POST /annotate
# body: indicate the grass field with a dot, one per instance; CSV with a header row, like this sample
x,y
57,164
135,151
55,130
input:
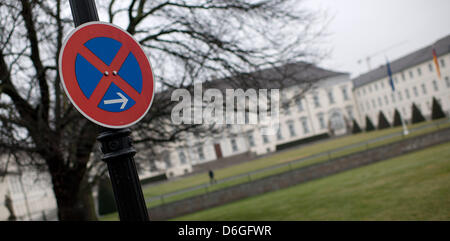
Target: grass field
x,y
275,159
415,186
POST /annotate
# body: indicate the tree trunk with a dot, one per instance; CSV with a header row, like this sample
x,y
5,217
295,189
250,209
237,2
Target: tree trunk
x,y
69,207
75,204
73,194
70,178
87,201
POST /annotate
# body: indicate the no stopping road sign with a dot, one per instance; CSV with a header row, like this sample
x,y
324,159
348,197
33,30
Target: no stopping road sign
x,y
106,75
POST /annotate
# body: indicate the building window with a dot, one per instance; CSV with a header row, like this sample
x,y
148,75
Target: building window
x,y
265,139
403,76
299,103
316,100
374,104
380,103
407,93
331,97
416,93
430,67
386,100
370,89
400,98
364,90
251,140
411,75
167,160
286,108
442,62
345,93
393,98
201,154
291,128
15,186
234,145
447,81
435,85
424,89
376,86
279,134
382,84
350,112
182,157
367,105
419,71
321,121
304,121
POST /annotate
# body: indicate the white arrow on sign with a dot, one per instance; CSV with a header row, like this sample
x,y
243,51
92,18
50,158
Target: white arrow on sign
x,y
123,100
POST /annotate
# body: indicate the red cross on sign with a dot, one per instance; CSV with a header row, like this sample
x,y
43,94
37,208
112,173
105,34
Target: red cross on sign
x,y
106,75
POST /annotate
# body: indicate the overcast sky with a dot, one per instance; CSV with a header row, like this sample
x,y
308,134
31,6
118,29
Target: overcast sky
x,y
361,28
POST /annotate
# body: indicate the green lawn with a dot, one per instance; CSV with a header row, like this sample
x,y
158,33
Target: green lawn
x,y
415,186
278,158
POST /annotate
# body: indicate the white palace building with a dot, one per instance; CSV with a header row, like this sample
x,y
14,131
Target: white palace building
x,y
415,79
327,108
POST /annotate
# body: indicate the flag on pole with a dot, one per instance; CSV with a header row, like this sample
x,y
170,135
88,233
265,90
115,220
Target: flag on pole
x,y
389,72
438,70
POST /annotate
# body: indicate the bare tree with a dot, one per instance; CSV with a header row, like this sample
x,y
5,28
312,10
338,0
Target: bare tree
x,y
187,41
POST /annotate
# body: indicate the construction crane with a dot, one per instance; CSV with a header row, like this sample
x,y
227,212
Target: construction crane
x,y
369,57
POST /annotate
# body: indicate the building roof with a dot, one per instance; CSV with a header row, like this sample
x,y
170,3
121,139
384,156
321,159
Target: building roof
x,y
270,78
276,77
442,47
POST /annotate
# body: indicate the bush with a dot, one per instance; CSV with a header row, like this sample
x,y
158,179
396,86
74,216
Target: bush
x,y
437,112
397,119
383,123
369,125
356,128
106,201
416,114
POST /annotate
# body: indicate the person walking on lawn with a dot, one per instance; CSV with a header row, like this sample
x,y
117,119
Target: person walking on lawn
x,y
211,177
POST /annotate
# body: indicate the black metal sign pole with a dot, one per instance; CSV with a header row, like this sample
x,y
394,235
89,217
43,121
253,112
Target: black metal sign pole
x,y
118,154
117,148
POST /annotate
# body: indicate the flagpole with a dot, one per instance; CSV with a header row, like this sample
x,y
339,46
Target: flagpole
x,y
391,81
405,129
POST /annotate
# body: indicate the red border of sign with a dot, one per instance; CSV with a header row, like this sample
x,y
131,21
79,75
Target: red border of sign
x,y
67,56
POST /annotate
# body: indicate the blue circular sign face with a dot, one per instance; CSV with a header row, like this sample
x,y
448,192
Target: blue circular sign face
x,y
106,75
88,76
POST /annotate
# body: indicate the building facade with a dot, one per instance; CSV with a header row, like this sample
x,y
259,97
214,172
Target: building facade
x,y
326,108
416,80
30,196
